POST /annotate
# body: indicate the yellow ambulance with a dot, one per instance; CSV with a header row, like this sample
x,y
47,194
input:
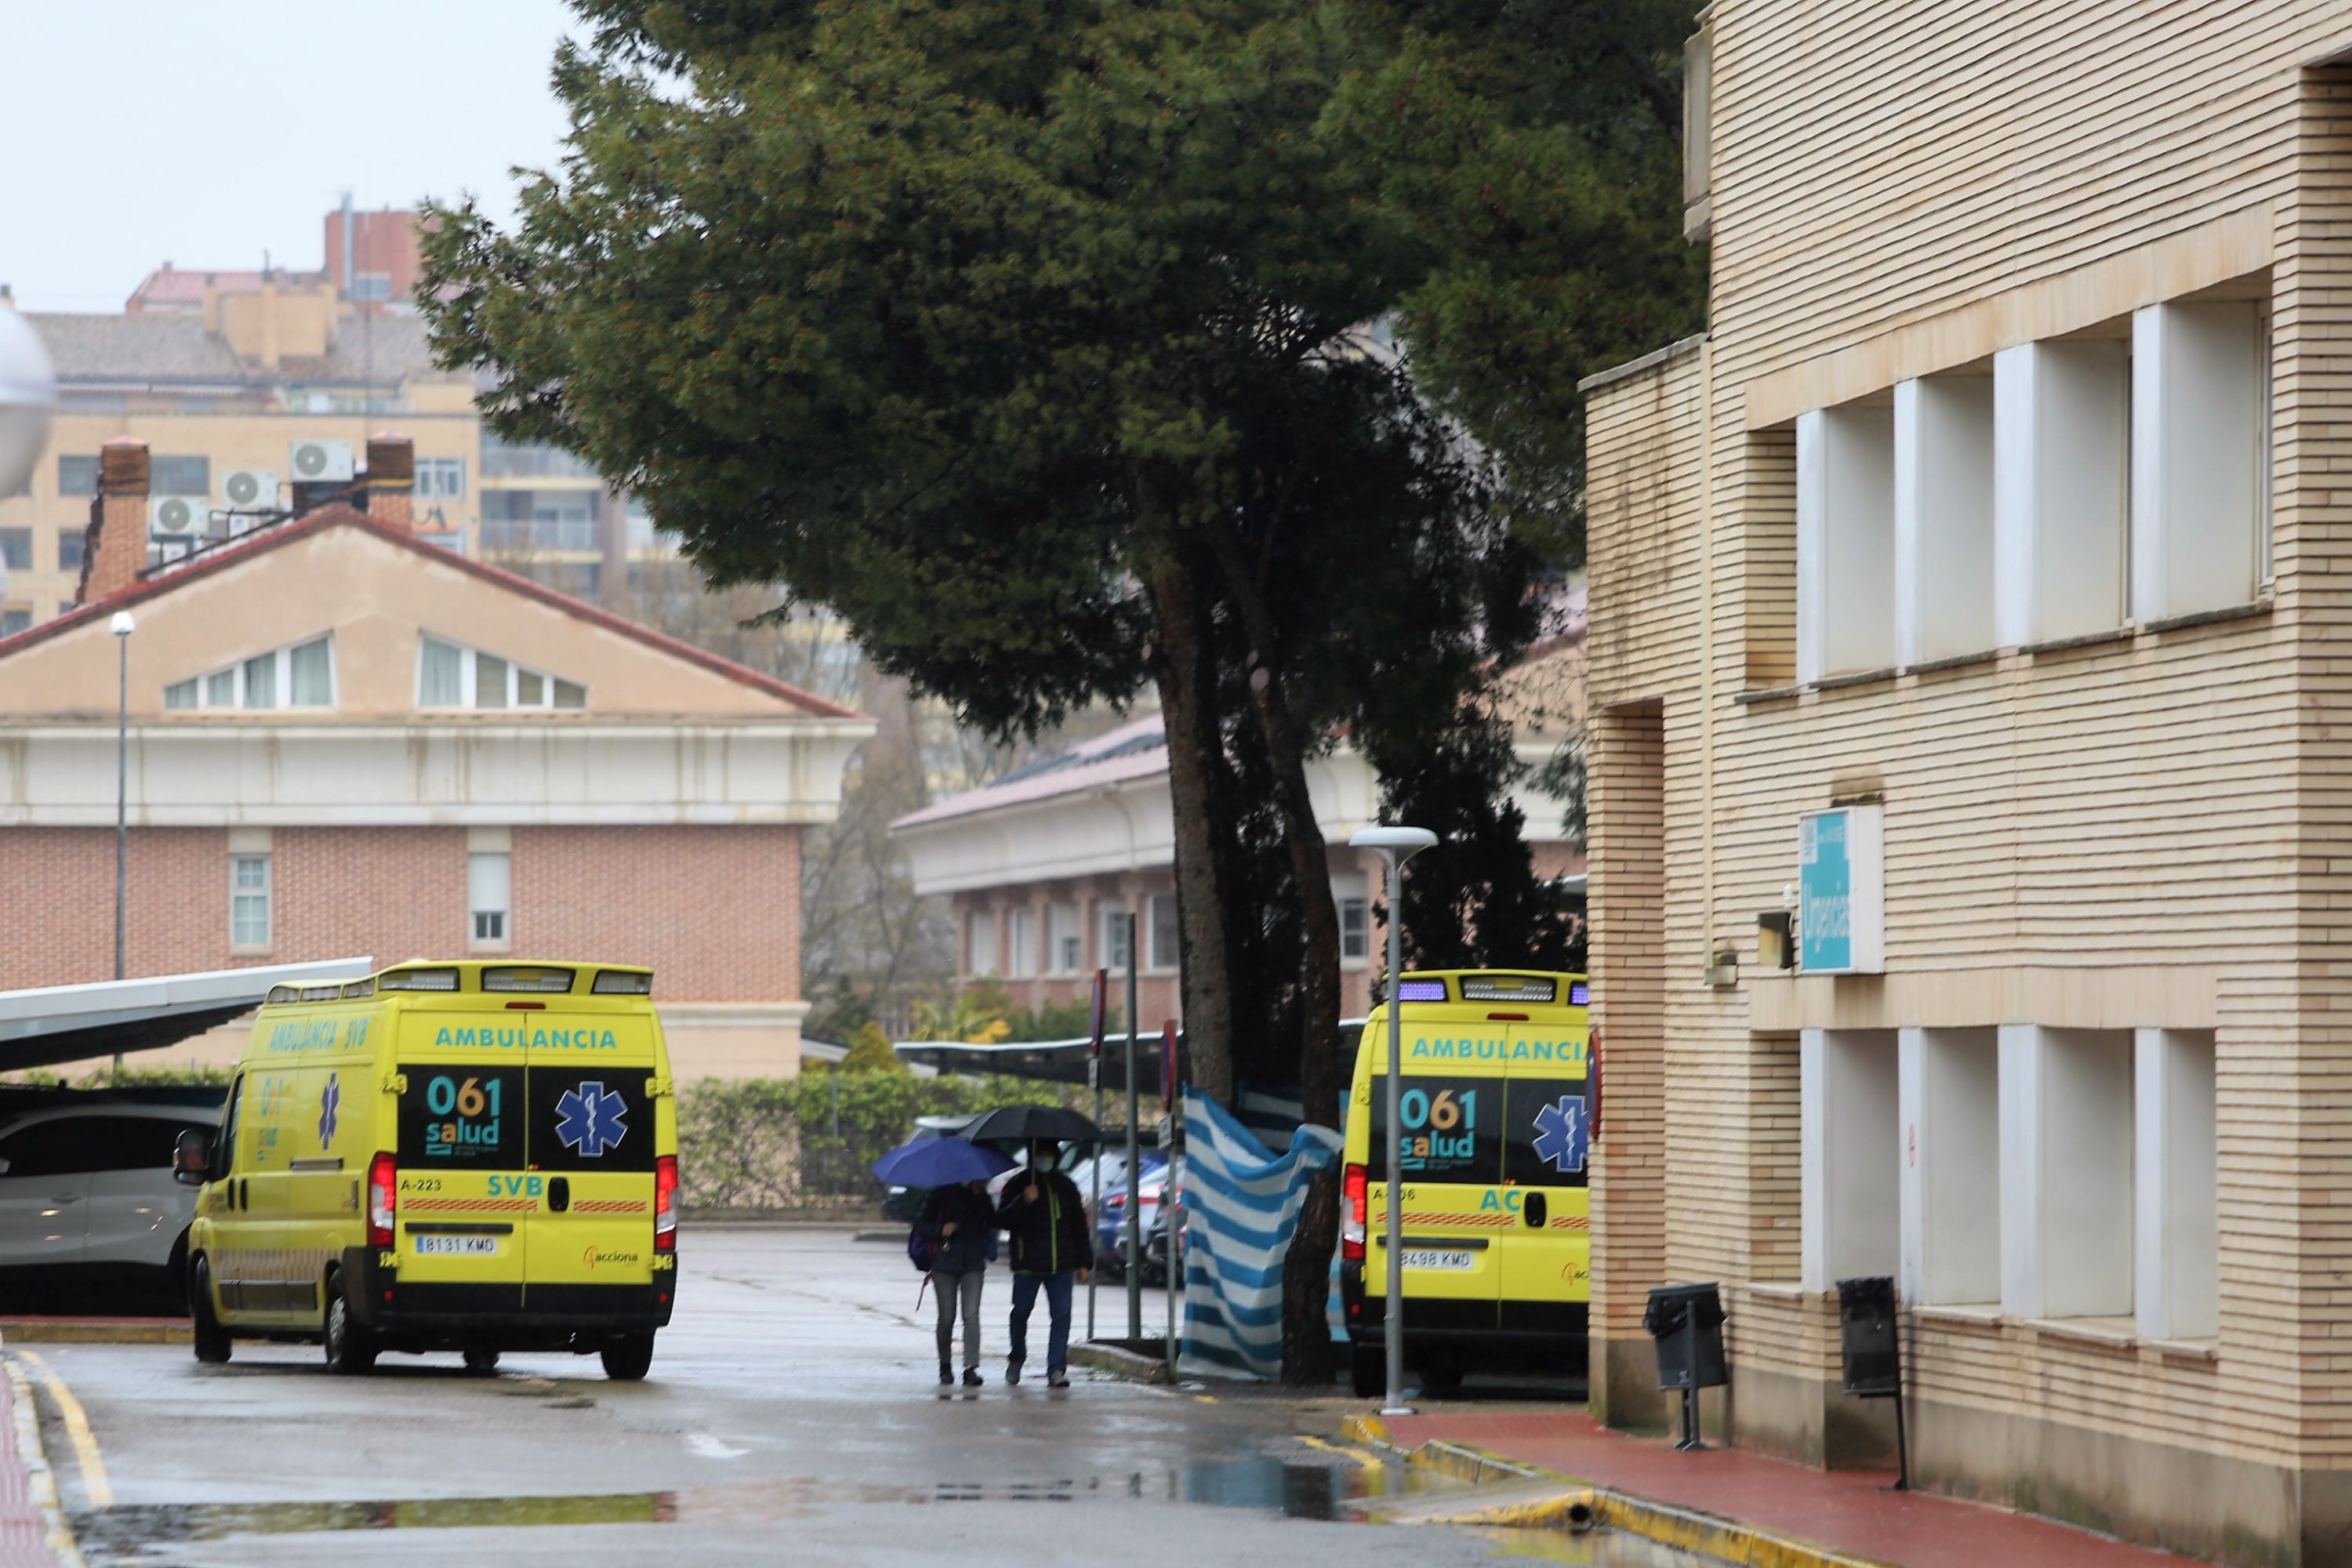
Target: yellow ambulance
x,y
1493,1144
465,1156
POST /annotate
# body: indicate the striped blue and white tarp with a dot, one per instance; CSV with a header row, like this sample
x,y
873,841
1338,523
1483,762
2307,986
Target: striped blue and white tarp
x,y
1240,1207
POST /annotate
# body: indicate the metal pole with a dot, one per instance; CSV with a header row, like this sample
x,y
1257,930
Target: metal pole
x,y
1134,1161
121,787
1094,1210
1393,1328
1168,1193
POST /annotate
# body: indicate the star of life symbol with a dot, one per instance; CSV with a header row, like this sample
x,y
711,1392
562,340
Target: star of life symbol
x,y
1561,1134
328,1104
591,1120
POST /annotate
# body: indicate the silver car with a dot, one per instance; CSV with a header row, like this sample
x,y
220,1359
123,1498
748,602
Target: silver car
x,y
90,1219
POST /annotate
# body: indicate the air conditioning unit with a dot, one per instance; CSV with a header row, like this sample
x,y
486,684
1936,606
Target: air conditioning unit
x,y
313,460
178,516
250,489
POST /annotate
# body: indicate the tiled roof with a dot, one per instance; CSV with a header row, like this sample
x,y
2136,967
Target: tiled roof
x,y
171,286
136,348
228,557
1133,751
170,347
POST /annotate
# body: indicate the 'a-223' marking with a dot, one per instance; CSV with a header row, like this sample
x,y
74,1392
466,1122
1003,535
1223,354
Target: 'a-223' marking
x,y
420,1184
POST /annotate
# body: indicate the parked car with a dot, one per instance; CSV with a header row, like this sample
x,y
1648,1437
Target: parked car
x,y
90,1219
1110,1233
905,1205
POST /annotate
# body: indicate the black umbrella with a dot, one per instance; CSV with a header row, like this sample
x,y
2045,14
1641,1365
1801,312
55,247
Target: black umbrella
x,y
1032,1123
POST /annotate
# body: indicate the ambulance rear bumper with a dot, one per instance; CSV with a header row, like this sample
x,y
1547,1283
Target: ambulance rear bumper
x,y
515,1316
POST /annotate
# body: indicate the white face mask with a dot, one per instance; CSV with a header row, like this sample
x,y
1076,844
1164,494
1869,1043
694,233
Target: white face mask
x,y
1045,1163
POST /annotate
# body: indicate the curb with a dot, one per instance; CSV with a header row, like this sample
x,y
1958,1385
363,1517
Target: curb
x,y
1688,1530
1125,1363
41,1481
97,1331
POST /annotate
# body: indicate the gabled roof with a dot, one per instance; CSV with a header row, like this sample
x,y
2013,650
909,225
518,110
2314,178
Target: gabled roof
x,y
1134,751
137,348
228,557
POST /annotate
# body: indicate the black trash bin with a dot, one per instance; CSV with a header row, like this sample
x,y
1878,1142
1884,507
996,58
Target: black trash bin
x,y
1866,1336
1687,1322
1873,1355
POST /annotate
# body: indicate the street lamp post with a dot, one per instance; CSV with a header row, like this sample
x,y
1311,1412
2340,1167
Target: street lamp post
x,y
122,626
1395,845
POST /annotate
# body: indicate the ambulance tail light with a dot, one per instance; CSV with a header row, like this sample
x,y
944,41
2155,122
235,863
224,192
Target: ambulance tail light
x,y
666,1204
384,1182
1352,1224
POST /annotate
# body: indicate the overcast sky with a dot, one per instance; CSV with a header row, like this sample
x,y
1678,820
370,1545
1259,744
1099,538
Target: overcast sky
x,y
137,132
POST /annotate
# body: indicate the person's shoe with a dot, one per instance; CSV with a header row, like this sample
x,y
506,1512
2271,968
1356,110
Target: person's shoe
x,y
947,1375
972,1378
1012,1372
1057,1380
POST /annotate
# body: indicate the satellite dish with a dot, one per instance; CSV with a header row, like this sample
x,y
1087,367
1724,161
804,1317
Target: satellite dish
x,y
28,396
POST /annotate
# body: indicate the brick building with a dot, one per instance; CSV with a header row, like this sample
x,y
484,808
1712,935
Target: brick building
x,y
1975,584
344,740
1044,865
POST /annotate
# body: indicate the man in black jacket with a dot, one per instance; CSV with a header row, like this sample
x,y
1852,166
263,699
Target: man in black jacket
x,y
959,1222
1052,1246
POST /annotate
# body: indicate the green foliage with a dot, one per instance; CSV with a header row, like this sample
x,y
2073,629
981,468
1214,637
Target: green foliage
x,y
1071,1020
869,1051
975,1017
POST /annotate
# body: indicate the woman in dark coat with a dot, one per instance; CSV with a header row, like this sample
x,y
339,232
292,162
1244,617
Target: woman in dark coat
x,y
959,1222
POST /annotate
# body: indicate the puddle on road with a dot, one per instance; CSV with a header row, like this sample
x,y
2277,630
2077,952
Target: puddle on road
x,y
115,1530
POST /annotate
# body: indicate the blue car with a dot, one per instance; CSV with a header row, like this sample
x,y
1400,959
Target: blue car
x,y
1110,1224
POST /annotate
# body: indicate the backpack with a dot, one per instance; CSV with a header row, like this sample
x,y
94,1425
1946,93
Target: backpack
x,y
921,1250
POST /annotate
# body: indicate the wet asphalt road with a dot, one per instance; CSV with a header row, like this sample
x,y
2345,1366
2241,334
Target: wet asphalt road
x,y
792,1414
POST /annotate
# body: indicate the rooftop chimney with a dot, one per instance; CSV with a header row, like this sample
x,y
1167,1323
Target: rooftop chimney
x,y
114,549
391,481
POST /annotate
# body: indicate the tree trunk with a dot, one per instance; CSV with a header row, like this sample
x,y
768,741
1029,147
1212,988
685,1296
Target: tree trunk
x,y
1184,666
1306,1273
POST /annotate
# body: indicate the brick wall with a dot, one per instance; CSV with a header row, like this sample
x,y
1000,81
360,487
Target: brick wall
x,y
716,911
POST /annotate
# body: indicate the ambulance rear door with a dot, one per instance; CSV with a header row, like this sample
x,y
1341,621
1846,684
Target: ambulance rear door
x,y
593,1128
466,1190
1450,1153
1546,1152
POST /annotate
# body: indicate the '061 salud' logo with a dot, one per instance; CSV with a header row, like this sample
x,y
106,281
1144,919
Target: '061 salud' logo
x,y
591,1119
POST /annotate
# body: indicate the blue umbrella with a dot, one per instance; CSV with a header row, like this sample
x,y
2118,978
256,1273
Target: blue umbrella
x,y
939,1163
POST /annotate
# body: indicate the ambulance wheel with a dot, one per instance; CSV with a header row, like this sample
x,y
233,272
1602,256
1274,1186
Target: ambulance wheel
x,y
628,1358
1367,1371
212,1341
482,1362
350,1349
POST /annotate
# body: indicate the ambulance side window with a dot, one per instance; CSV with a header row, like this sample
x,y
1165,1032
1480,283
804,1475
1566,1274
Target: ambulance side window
x,y
1453,1129
224,1147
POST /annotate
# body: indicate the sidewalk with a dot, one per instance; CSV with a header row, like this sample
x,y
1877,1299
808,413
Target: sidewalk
x,y
1846,1511
32,1531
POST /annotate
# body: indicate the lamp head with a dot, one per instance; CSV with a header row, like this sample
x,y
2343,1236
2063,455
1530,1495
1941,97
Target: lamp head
x,y
122,626
1403,842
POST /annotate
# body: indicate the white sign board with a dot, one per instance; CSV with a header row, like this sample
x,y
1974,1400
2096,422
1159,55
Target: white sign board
x,y
1842,890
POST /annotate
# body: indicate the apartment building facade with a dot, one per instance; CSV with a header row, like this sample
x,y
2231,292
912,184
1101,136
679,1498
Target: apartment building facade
x,y
1968,598
341,739
255,391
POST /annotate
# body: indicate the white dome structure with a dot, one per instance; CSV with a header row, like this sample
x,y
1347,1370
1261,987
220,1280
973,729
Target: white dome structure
x,y
28,396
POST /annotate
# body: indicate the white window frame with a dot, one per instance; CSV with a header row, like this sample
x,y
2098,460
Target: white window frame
x,y
239,675
1020,943
1351,895
497,911
440,479
979,944
1066,937
1170,960
266,893
469,682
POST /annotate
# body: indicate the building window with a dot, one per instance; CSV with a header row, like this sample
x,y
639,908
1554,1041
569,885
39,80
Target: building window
x,y
1850,1219
2177,1247
248,901
1349,894
70,542
1110,946
179,477
979,943
77,476
17,549
2062,413
1167,936
302,676
1943,518
490,894
1065,946
1950,1111
440,479
13,619
448,676
1845,541
2066,1163
1020,941
2201,466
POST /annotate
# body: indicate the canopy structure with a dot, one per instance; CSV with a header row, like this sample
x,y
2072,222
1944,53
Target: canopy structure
x,y
1049,1061
52,1024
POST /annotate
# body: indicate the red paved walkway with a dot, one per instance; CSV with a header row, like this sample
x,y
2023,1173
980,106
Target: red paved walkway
x,y
1846,1509
24,1533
